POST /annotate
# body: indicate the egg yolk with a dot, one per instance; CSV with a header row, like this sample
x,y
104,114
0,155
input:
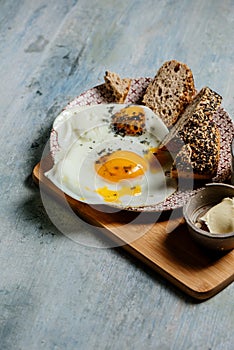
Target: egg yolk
x,y
114,196
132,110
120,165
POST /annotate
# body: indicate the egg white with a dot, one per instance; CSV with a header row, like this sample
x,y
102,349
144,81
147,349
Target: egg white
x,y
83,135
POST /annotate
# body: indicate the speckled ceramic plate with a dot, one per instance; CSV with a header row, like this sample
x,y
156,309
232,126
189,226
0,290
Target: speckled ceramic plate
x,y
99,94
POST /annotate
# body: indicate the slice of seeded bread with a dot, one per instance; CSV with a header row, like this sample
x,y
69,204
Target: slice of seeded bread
x,y
196,129
171,90
118,87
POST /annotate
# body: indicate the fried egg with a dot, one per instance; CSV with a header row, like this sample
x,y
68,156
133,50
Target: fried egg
x,y
94,164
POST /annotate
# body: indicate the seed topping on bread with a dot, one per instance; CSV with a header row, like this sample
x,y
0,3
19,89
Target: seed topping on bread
x,y
171,90
197,129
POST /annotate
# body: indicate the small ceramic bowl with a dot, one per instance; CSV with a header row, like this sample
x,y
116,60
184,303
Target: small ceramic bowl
x,y
198,205
232,166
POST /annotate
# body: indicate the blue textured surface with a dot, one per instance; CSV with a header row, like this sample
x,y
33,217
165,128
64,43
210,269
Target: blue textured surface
x,y
54,293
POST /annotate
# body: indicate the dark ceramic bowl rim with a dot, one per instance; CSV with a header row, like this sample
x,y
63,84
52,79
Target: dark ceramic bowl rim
x,y
198,230
232,147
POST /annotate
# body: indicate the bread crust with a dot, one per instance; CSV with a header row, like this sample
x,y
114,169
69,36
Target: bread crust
x,y
171,90
196,129
118,87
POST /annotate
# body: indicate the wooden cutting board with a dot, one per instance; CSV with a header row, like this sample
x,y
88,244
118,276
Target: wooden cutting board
x,y
166,246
